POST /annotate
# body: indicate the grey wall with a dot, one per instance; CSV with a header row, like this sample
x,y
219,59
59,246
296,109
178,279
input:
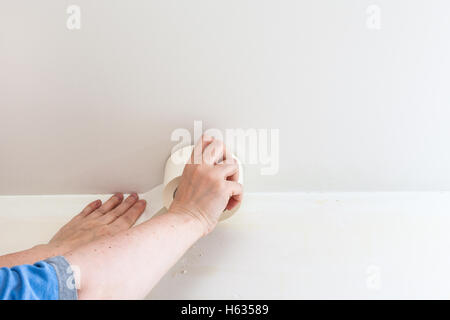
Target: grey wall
x,y
91,110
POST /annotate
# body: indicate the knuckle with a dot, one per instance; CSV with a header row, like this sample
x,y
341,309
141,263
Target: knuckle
x,y
105,230
234,165
125,220
101,210
114,213
114,229
90,224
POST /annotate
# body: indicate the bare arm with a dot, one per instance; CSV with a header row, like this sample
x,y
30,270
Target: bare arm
x,y
95,221
129,264
32,255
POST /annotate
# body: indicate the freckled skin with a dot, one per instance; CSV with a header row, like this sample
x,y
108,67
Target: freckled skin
x,y
98,220
95,221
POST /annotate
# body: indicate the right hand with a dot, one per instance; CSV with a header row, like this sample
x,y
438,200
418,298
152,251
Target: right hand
x,y
209,184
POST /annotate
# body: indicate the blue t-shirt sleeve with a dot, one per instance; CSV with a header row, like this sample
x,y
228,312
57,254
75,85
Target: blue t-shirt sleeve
x,y
29,282
51,279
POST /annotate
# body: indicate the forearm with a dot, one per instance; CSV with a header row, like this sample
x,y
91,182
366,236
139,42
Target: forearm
x,y
129,264
31,256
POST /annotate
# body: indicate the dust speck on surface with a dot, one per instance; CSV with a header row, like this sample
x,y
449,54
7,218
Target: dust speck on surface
x,y
183,271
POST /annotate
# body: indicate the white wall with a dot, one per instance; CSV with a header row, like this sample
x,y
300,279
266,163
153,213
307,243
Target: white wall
x,y
91,111
286,246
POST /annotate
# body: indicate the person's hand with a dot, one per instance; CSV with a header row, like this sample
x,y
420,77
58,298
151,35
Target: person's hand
x,y
98,220
208,185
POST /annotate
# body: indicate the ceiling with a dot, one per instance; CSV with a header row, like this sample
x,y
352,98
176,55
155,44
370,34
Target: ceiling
x,y
92,110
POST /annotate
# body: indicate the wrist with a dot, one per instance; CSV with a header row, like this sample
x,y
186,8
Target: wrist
x,y
51,249
197,224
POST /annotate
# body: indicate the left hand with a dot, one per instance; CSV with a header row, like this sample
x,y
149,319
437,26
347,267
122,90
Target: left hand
x,y
98,220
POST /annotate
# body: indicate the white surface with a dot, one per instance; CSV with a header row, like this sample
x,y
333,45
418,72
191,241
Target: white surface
x,y
330,245
91,111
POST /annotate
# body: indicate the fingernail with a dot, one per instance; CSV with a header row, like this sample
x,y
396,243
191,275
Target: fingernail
x,y
133,195
118,195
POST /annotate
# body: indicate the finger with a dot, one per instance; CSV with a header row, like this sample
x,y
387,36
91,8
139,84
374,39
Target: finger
x,y
129,218
91,207
236,190
205,141
112,202
230,171
215,152
197,153
121,208
234,176
232,203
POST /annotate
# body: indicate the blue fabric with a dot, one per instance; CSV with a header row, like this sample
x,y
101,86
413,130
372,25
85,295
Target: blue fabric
x,y
29,282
